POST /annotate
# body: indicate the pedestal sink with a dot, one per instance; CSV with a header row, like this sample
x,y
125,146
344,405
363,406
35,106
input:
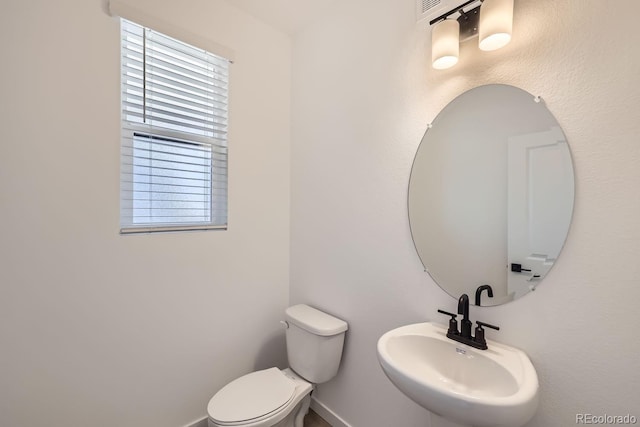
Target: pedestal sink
x,y
497,387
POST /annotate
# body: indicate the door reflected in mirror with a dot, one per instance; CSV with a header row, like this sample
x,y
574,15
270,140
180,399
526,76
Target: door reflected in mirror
x,y
491,194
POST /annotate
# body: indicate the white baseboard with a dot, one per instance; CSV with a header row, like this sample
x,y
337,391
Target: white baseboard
x,y
326,413
199,423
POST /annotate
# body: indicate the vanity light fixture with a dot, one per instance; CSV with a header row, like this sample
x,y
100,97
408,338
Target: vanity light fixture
x,y
445,44
490,20
496,24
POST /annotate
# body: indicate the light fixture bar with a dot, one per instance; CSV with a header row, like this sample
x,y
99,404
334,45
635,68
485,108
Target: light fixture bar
x,y
469,23
454,10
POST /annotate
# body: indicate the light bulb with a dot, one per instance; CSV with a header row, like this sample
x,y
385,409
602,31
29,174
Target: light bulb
x,y
496,24
445,44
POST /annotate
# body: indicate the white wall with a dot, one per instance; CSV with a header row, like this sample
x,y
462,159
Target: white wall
x,y
363,93
98,329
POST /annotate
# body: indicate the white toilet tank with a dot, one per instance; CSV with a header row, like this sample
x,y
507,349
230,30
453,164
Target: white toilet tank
x,y
314,343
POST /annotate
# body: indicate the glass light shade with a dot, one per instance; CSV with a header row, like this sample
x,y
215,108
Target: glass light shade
x,y
496,24
445,44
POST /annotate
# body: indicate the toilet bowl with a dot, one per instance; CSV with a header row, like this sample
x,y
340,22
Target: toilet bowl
x,y
281,398
267,398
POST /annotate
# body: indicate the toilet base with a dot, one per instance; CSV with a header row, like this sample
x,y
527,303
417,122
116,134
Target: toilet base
x,y
296,417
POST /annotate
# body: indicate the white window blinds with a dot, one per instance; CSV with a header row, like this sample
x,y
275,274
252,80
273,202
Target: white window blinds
x,y
174,134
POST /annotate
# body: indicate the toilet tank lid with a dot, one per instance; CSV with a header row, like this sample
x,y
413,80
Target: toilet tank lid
x,y
315,321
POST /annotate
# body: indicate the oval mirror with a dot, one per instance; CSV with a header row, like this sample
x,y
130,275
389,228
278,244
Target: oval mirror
x,y
491,194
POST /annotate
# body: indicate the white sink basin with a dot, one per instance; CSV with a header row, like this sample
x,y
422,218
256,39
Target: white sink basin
x,y
497,387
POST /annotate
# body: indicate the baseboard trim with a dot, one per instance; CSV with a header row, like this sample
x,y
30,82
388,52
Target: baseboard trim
x,y
326,413
199,423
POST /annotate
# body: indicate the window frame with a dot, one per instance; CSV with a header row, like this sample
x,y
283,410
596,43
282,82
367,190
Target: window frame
x,y
217,145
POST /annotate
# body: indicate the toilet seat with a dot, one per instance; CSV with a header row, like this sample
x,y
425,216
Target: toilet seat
x,y
252,398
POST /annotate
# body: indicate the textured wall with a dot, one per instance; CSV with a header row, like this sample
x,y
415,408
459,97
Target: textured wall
x,y
363,93
98,329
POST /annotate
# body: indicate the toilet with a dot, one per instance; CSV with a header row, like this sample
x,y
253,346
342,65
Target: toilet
x,y
281,398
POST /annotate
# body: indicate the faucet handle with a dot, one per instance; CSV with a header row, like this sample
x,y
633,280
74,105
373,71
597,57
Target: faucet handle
x,y
447,313
479,338
481,324
453,322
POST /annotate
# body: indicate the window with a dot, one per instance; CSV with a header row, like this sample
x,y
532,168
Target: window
x,y
174,134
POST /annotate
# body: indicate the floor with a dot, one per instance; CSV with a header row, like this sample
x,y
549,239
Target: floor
x,y
314,420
